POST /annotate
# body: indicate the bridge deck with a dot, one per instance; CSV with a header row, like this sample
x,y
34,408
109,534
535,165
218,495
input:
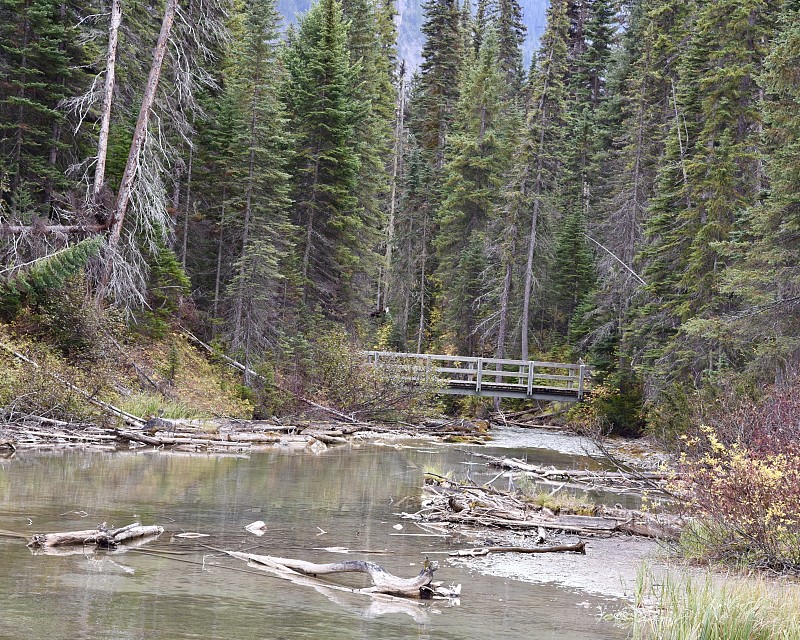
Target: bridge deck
x,y
476,376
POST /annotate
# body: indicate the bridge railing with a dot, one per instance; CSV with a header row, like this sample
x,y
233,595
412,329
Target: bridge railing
x,y
488,374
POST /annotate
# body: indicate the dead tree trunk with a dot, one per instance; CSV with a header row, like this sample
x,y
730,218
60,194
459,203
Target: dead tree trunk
x,y
140,132
108,96
102,536
398,153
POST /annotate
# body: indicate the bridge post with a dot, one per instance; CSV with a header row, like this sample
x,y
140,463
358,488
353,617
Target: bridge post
x,y
530,377
479,375
581,380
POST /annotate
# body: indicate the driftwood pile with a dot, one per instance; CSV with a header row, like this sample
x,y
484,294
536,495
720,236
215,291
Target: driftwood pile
x,y
453,504
20,430
217,436
619,481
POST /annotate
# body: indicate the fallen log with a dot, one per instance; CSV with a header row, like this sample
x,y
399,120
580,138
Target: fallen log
x,y
102,536
158,441
328,439
126,417
382,581
579,547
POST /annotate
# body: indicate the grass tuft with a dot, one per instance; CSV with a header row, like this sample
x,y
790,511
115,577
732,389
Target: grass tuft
x,y
683,607
146,405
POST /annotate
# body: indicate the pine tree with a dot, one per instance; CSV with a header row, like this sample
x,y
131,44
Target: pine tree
x,y
532,196
440,75
411,268
652,324
371,43
699,211
478,156
764,331
572,268
324,116
219,165
259,193
511,33
41,64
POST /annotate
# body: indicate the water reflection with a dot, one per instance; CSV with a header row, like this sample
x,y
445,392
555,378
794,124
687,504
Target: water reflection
x,y
181,588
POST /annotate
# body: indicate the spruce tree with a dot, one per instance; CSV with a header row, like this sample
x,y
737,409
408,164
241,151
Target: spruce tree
x,y
478,156
371,43
258,194
511,33
411,266
324,115
699,211
440,75
764,331
41,64
532,196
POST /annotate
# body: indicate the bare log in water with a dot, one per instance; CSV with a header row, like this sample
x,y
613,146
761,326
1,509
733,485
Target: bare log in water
x,y
382,581
102,536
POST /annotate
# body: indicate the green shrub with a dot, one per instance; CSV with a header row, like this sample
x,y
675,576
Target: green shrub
x,y
341,377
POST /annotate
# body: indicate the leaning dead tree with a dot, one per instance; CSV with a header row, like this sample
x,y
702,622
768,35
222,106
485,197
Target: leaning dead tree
x,y
140,132
138,215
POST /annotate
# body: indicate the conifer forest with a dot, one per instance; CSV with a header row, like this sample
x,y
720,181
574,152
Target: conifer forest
x,y
631,197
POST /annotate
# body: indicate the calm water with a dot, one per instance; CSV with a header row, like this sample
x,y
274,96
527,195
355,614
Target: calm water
x,y
350,494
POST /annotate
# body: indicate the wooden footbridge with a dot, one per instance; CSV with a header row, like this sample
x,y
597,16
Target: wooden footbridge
x,y
495,377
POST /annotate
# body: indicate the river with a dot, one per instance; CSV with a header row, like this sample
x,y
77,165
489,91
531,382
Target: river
x,y
344,497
